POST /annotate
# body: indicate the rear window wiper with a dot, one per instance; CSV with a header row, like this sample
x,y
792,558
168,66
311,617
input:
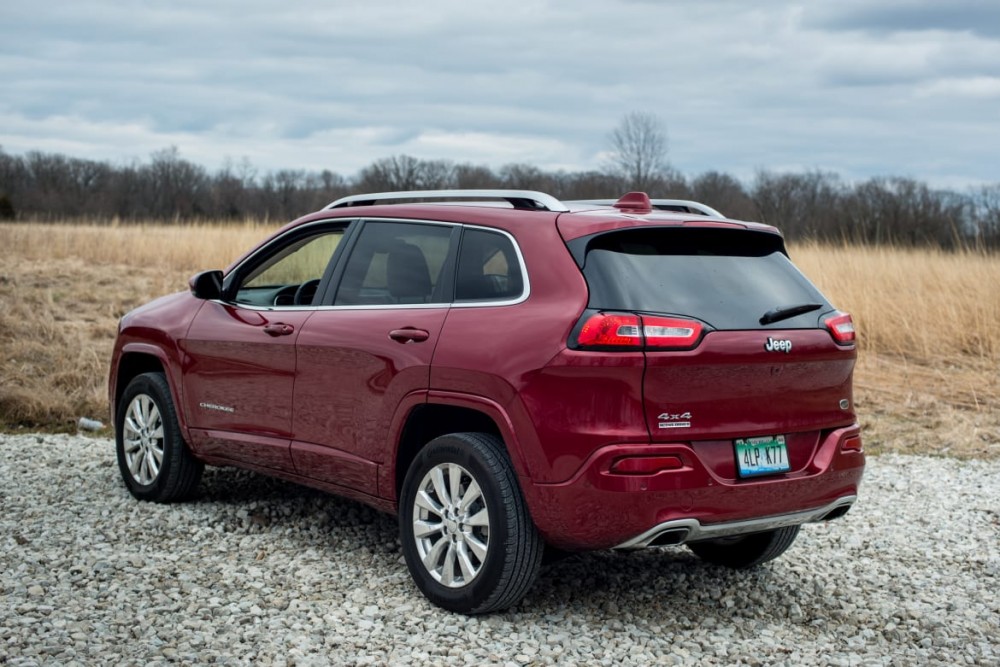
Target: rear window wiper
x,y
785,312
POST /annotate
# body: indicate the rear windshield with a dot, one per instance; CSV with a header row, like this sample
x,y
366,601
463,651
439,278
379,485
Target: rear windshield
x,y
727,278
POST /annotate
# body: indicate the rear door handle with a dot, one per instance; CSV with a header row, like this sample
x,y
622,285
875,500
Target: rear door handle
x,y
278,329
409,335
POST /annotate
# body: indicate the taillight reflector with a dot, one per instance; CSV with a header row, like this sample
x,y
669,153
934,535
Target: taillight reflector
x,y
841,327
645,465
621,330
852,444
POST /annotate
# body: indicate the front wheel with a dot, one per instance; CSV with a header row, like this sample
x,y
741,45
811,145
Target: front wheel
x,y
466,534
154,460
747,550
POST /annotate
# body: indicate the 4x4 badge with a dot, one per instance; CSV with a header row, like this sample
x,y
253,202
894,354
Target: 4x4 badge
x,y
670,420
778,345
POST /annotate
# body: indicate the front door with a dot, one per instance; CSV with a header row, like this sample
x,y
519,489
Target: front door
x,y
240,355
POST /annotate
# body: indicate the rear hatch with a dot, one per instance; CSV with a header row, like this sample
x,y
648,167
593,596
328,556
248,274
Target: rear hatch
x,y
738,343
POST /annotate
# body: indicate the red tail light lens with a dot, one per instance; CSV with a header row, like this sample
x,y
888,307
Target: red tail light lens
x,y
627,331
611,330
841,327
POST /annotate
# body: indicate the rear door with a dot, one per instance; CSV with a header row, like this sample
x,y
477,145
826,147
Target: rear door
x,y
759,360
369,348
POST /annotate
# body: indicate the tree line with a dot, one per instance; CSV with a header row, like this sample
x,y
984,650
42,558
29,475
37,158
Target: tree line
x,y
813,205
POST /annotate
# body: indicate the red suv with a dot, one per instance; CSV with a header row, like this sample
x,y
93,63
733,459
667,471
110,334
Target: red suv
x,y
507,373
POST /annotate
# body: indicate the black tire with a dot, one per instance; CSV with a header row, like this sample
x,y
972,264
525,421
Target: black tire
x,y
153,459
746,551
487,579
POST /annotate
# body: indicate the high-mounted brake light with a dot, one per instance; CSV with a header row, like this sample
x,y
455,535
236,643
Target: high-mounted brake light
x,y
841,327
628,331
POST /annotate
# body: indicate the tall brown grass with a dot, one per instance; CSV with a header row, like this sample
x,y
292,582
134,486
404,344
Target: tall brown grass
x,y
928,320
918,303
184,247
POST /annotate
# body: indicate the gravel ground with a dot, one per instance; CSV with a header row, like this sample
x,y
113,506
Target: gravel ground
x,y
264,572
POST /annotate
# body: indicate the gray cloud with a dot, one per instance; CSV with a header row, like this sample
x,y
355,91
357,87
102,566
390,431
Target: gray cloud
x,y
313,84
978,17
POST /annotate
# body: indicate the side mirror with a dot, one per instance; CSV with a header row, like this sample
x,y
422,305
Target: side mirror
x,y
206,285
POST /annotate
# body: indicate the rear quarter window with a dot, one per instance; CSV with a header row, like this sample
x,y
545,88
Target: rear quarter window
x,y
488,268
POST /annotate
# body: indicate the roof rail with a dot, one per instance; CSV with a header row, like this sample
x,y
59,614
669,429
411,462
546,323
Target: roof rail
x,y
523,199
663,205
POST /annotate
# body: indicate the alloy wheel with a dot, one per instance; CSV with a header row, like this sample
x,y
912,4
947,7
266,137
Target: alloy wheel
x,y
143,439
451,525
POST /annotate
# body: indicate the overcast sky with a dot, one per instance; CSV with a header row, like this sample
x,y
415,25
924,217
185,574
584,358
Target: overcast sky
x,y
861,88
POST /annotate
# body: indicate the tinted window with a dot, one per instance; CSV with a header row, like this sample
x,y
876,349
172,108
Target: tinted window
x,y
488,268
727,278
394,264
300,263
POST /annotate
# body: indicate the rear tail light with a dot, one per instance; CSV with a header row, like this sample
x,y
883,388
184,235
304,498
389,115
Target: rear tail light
x,y
841,327
629,331
611,330
671,332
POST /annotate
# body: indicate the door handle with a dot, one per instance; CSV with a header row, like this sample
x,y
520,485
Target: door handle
x,y
409,335
278,329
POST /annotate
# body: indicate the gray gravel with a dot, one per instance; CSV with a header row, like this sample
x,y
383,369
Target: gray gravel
x,y
264,572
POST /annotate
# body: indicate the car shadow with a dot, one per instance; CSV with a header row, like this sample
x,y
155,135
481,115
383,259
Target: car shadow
x,y
261,501
646,586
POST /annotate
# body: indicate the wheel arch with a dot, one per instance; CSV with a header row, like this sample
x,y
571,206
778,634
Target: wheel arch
x,y
442,413
136,360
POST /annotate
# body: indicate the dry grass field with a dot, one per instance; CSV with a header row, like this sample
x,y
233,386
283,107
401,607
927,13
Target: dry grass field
x,y
929,324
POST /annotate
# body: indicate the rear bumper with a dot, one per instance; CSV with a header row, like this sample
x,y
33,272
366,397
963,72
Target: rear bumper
x,y
599,509
681,531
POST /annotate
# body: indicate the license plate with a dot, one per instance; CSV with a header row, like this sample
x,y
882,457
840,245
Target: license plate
x,y
765,455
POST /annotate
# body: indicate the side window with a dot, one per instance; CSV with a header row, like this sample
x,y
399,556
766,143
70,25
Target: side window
x,y
488,268
395,263
290,276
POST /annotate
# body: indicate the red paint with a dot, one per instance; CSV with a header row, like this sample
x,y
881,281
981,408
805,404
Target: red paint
x,y
606,443
597,509
238,380
351,375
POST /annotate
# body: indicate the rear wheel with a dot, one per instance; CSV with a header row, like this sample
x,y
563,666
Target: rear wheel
x,y
746,550
468,540
154,460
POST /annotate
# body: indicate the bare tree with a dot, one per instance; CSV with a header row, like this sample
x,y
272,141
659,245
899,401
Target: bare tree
x,y
639,150
805,205
986,208
723,192
474,177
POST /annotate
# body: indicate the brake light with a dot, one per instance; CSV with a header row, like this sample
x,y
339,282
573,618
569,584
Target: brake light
x,y
841,327
610,330
628,331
